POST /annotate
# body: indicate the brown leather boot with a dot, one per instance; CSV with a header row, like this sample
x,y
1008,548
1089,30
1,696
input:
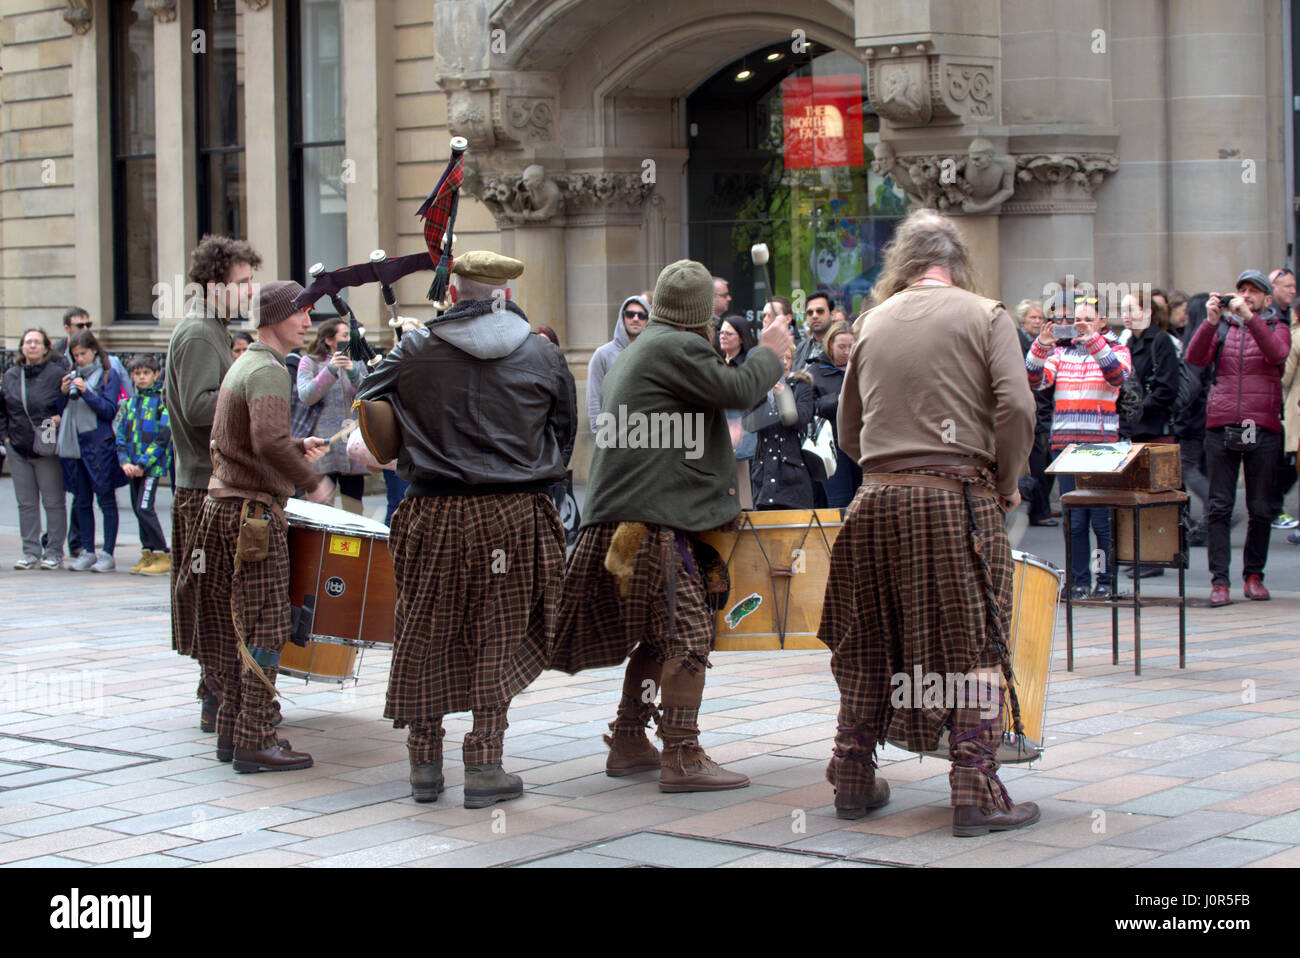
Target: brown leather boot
x,y
426,781
225,748
857,806
277,758
686,768
968,820
629,754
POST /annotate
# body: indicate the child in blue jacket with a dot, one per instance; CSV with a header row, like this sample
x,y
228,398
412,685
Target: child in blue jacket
x,y
145,453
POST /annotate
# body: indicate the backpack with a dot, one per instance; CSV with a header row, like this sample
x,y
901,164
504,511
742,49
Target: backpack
x,y
1129,402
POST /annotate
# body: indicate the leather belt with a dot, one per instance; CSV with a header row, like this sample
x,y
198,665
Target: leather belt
x,y
927,482
957,465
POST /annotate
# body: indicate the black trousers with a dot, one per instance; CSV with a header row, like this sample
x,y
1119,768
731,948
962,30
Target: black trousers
x,y
1286,479
144,492
1224,465
1040,498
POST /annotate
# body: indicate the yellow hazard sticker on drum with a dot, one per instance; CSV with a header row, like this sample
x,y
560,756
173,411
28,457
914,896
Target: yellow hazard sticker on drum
x,y
345,546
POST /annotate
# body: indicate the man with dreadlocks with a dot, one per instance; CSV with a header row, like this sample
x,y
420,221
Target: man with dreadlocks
x,y
937,411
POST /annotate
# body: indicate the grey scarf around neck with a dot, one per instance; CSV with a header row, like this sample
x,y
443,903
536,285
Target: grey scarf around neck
x,y
83,417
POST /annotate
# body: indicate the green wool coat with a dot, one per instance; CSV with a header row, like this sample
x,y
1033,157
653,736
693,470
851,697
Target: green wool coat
x,y
663,449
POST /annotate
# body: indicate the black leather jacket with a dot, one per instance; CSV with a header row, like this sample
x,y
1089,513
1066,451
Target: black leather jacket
x,y
484,405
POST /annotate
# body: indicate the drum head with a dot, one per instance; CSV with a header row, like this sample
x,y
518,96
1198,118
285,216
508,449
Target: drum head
x,y
300,512
1030,559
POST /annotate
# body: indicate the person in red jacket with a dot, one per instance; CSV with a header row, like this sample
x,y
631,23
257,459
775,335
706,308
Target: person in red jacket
x,y
1243,427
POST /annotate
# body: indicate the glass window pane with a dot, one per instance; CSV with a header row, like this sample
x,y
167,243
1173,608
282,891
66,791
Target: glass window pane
x,y
133,41
139,232
322,87
324,204
227,205
221,78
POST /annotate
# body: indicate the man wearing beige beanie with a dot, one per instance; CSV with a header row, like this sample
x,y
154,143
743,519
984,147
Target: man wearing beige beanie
x,y
645,501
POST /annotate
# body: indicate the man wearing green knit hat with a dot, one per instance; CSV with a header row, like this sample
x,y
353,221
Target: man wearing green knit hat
x,y
648,493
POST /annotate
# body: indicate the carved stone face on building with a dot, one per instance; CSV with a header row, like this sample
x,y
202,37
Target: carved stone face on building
x,y
981,153
533,177
885,158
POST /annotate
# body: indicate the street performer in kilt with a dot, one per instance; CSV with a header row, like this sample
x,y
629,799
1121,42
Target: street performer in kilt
x,y
634,583
487,414
937,410
239,575
198,358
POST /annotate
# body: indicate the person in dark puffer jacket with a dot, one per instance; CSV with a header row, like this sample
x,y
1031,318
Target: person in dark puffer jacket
x,y
1243,427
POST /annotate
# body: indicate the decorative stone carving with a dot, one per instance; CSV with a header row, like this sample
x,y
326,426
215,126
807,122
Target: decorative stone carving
x,y
164,11
80,16
460,36
256,4
902,97
983,181
533,197
528,119
469,114
968,89
989,181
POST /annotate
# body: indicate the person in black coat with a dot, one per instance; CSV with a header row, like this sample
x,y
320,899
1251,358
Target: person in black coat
x,y
828,379
1156,368
1036,488
1189,418
30,407
777,474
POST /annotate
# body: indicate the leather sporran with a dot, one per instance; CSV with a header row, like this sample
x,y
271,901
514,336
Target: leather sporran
x,y
254,533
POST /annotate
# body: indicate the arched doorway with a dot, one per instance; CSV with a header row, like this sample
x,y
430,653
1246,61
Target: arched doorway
x,y
781,145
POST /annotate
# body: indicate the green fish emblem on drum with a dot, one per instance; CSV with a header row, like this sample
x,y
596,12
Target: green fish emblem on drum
x,y
743,608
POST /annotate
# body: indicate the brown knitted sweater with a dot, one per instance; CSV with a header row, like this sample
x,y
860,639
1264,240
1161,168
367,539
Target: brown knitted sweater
x,y
253,456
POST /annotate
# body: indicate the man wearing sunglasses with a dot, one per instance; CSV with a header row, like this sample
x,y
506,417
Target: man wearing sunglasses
x,y
817,310
630,319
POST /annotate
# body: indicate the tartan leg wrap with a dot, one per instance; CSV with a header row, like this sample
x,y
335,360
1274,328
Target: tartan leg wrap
x,y
484,744
973,750
253,728
852,768
683,691
637,706
424,741
226,686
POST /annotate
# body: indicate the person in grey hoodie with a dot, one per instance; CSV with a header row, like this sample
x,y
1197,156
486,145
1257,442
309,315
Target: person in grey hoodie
x,y
631,319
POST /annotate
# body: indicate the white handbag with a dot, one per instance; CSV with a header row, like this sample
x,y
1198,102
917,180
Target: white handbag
x,y
819,453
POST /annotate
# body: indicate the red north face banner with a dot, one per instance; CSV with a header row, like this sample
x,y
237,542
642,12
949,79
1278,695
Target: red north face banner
x,y
823,121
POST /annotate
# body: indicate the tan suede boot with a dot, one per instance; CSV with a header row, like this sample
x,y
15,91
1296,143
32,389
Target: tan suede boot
x,y
630,750
685,767
629,754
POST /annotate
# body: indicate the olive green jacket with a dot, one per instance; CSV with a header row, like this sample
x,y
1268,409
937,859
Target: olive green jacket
x,y
663,449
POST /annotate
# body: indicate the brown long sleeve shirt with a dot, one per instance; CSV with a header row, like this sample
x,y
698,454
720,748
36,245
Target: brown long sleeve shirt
x,y
938,370
252,453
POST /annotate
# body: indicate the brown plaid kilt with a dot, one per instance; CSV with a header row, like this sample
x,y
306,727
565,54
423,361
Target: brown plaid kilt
x,y
906,590
478,580
598,627
187,507
253,602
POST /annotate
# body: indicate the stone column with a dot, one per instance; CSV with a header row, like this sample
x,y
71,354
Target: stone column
x,y
541,289
981,236
266,150
92,172
175,154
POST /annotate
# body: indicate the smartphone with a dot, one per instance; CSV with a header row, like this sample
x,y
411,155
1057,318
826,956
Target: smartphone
x,y
340,348
1064,331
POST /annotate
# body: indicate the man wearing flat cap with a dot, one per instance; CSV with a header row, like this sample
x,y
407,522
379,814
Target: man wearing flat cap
x,y
1246,341
238,571
634,586
487,414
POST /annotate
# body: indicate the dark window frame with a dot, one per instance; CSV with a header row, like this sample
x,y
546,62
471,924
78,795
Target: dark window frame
x,y
203,153
118,176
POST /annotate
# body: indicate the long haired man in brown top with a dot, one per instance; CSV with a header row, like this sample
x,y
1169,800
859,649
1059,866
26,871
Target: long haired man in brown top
x,y
937,411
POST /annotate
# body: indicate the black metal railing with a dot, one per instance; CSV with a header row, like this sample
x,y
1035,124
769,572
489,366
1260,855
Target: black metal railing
x,y
10,356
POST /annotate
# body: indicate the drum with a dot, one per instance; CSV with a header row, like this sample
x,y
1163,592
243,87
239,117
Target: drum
x,y
778,562
340,562
319,662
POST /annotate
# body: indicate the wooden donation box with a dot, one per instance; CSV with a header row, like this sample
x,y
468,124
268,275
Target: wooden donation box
x,y
1136,468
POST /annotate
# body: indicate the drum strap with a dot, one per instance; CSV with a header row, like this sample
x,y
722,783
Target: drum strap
x,y
999,632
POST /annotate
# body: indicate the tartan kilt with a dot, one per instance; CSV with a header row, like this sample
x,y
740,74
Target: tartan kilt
x,y
598,627
905,590
252,603
478,581
187,507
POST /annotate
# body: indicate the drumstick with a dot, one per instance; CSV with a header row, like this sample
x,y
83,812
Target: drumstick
x,y
348,426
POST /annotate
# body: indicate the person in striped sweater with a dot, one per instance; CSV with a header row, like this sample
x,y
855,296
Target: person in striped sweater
x,y
1087,375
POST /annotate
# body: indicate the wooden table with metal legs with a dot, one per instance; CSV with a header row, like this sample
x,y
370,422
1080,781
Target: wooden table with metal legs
x,y
1160,516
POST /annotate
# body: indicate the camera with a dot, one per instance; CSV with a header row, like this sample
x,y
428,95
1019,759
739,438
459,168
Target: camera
x,y
1064,331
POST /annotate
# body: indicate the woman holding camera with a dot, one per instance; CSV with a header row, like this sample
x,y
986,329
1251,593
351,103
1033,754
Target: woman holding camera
x,y
30,408
327,384
1087,372
94,390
